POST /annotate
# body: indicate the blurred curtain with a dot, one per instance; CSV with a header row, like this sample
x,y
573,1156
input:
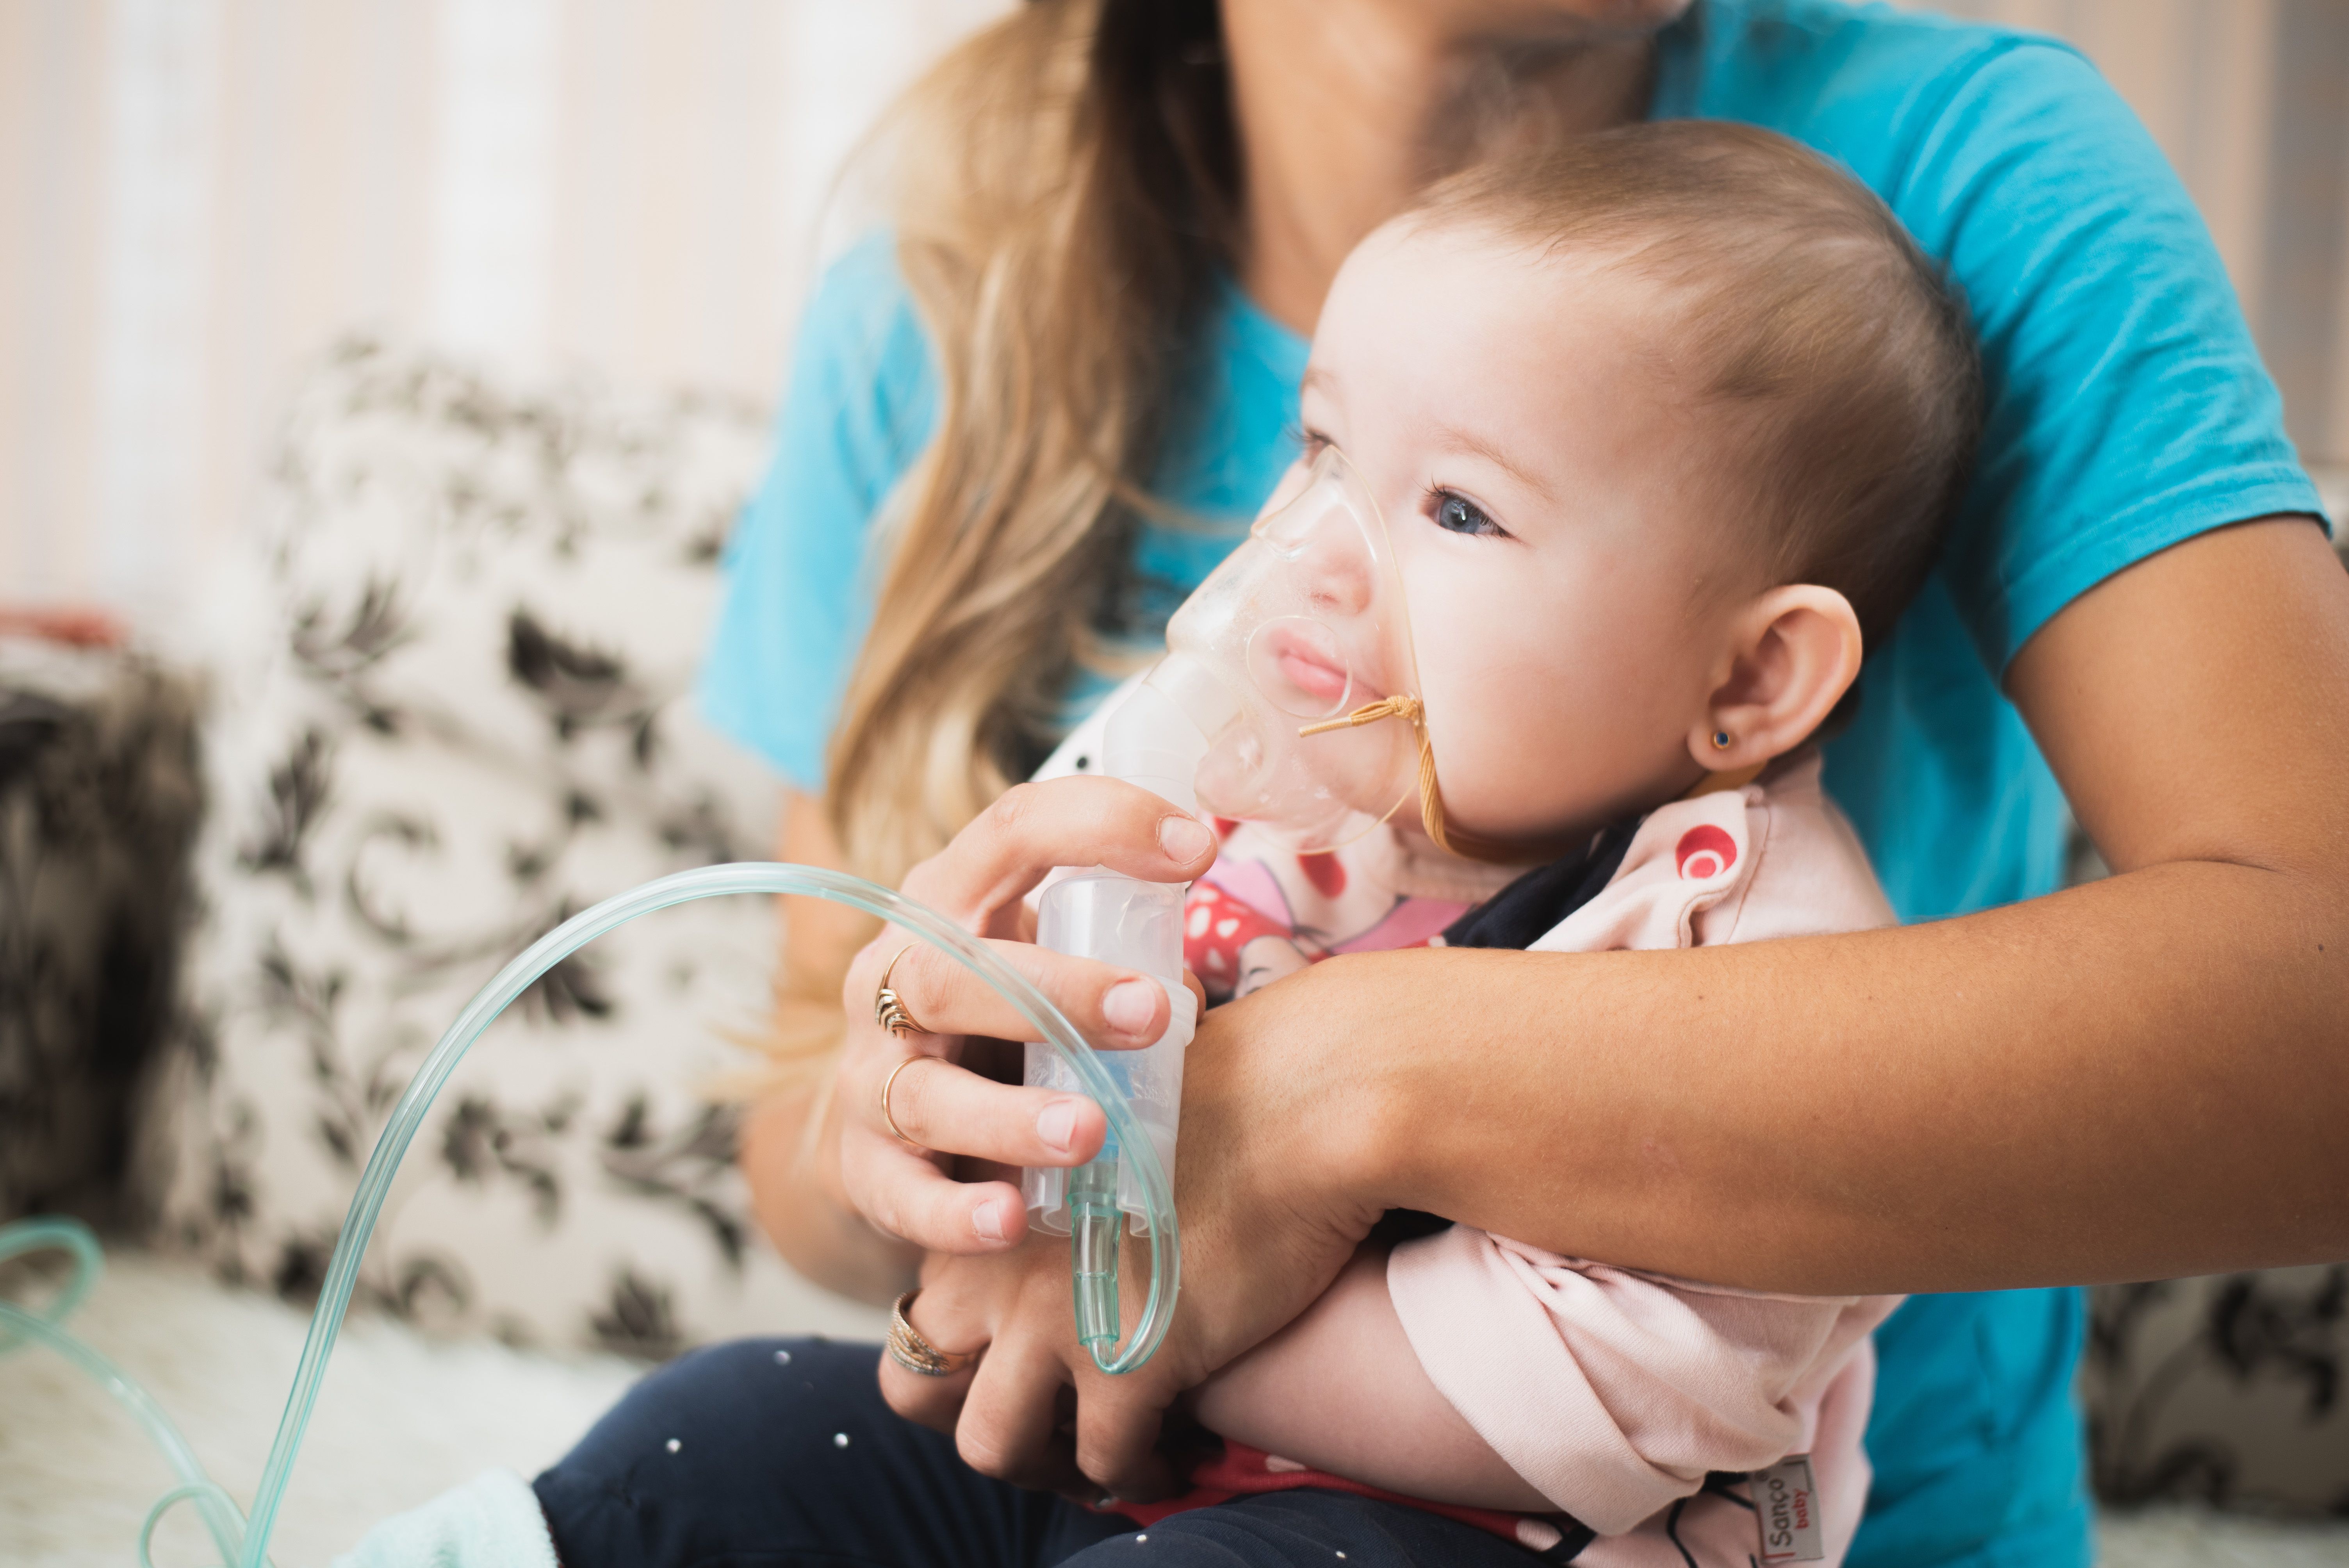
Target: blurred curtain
x,y
2250,100
196,194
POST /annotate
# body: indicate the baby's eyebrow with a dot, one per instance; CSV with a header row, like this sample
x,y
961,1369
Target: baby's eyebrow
x,y
1469,442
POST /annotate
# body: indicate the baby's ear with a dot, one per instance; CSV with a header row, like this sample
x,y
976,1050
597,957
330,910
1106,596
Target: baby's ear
x,y
1792,655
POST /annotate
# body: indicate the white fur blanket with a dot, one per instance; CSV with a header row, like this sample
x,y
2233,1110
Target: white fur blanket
x,y
404,1418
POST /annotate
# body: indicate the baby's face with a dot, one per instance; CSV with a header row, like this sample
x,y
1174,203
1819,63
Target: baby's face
x,y
1559,535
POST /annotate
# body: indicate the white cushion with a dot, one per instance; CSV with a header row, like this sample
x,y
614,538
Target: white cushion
x,y
455,713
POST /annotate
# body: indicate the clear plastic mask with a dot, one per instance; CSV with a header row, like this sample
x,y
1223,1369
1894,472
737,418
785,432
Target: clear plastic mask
x,y
1294,658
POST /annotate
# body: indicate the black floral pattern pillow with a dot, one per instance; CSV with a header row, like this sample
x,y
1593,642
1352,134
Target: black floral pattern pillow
x,y
457,712
2224,1390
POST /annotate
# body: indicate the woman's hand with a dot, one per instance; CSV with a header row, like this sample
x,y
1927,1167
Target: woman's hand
x,y
896,1164
1272,1197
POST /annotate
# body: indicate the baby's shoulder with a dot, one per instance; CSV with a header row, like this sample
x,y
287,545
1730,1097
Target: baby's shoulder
x,y
1810,874
1774,858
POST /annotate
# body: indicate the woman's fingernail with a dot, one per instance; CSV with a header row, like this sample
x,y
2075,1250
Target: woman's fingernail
x,y
988,1221
1184,838
1129,1004
1056,1124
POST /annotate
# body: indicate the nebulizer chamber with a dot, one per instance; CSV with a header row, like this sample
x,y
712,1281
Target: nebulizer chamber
x,y
1257,713
1154,738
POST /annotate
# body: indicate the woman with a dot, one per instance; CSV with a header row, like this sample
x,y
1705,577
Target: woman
x,y
1119,219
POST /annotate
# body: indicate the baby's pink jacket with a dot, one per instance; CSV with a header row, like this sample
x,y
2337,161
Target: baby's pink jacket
x,y
1615,1392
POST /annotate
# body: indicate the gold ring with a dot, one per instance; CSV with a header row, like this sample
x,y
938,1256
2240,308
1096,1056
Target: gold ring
x,y
887,1085
888,1007
908,1349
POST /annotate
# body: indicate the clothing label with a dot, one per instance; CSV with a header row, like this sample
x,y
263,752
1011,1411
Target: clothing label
x,y
1787,1506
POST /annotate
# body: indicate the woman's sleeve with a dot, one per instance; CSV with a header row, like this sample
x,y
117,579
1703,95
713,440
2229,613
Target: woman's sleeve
x,y
2127,405
799,572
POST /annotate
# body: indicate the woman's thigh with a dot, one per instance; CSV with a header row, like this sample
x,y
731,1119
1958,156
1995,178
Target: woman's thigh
x,y
778,1452
781,1452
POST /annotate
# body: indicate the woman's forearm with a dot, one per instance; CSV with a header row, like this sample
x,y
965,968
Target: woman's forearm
x,y
2127,1081
2141,1078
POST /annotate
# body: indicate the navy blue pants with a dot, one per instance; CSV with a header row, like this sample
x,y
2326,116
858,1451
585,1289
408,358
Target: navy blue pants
x,y
781,1453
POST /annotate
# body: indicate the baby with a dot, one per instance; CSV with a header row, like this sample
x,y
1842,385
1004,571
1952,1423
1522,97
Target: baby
x,y
1663,426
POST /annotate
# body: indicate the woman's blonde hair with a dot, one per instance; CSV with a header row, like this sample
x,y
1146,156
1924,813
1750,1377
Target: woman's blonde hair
x,y
1065,187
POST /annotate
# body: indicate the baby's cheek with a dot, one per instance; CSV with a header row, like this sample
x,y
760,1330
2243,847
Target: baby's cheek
x,y
1542,716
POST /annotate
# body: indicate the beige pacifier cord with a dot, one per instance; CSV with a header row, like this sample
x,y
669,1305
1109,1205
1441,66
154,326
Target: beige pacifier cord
x,y
1431,794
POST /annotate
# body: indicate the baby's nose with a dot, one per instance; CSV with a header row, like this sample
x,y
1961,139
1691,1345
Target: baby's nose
x,y
1337,573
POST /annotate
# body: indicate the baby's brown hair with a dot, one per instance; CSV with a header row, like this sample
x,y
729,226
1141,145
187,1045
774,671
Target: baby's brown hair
x,y
1838,349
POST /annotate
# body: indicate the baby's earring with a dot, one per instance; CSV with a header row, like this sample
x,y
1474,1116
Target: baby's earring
x,y
1721,740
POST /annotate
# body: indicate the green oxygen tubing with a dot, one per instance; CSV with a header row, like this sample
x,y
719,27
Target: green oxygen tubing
x,y
243,1542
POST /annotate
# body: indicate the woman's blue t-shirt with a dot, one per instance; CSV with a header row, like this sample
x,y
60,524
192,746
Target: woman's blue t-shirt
x,y
2127,411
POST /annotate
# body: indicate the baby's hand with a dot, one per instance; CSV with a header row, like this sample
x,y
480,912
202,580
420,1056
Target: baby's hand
x,y
1266,960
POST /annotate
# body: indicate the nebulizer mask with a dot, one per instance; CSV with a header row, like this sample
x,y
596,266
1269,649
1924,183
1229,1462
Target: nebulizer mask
x,y
1294,661
1288,697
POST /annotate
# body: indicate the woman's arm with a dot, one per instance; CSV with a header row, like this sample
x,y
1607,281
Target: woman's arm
x,y
2137,1079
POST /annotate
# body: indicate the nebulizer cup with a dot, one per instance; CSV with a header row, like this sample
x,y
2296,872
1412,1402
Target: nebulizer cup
x,y
1272,705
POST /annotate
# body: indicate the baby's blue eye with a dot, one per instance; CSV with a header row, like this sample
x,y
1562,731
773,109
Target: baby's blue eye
x,y
1458,514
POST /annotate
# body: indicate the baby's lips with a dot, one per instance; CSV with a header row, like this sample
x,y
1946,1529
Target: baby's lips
x,y
1302,667
1313,675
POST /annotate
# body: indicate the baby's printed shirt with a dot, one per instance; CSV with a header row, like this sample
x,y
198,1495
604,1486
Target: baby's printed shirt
x,y
1774,858
1263,911
1634,1402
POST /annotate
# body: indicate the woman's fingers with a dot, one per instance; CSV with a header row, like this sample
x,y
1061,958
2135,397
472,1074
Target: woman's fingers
x,y
1032,828
936,1105
902,1101
1114,1008
1019,1439
1009,1426
934,1402
1117,1443
905,1195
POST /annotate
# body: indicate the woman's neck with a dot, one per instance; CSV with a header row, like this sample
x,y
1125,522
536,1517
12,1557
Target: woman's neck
x,y
1392,100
